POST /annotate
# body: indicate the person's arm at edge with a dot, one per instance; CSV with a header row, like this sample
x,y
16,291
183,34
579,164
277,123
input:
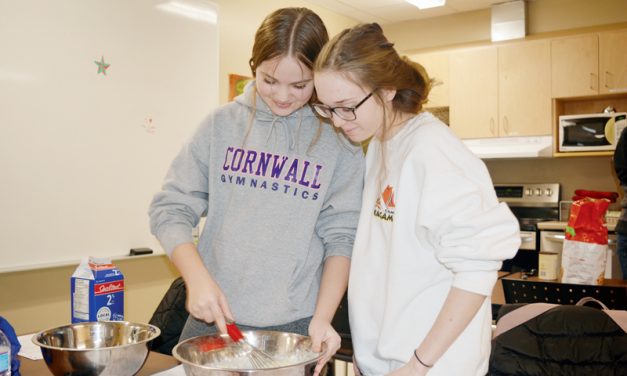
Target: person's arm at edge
x,y
205,300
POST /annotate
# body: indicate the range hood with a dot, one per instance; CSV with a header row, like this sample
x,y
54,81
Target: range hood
x,y
511,147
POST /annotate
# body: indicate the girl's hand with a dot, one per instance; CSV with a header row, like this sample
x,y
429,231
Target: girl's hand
x,y
206,302
412,368
321,332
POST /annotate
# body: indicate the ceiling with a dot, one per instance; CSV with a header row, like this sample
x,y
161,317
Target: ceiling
x,y
392,11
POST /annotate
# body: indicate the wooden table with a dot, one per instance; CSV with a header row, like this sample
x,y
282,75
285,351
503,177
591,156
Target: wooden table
x,y
156,362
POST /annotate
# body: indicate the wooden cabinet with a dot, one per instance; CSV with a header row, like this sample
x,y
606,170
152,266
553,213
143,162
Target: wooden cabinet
x,y
473,92
437,66
525,89
501,91
575,66
506,89
613,62
589,64
589,73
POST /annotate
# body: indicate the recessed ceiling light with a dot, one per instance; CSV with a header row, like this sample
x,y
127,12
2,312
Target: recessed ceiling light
x,y
198,12
425,4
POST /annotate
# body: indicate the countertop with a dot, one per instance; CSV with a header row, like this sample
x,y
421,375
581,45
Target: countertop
x,y
557,225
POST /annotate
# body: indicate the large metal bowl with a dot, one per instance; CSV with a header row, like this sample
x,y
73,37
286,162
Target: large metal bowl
x,y
207,355
106,348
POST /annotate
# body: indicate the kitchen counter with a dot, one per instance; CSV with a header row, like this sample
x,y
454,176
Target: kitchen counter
x,y
557,225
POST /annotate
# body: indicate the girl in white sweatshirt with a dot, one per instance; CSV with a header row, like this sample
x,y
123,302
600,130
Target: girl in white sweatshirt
x,y
431,235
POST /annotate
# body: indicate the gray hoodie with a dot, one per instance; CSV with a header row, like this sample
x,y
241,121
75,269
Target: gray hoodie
x,y
277,204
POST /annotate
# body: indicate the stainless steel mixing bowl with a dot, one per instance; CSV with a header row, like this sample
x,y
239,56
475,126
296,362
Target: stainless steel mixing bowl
x,y
106,348
208,355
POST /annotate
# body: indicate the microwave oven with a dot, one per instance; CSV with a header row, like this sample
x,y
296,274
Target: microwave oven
x,y
590,132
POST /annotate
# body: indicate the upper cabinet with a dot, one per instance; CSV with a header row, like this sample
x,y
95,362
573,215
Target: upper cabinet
x,y
590,64
589,73
613,62
437,66
507,89
525,89
575,66
473,89
501,91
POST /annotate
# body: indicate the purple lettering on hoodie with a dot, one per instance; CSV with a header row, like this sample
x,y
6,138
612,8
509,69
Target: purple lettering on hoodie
x,y
251,155
257,163
291,173
225,166
278,167
237,158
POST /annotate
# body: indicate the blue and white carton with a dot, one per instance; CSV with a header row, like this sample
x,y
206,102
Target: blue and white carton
x,y
97,289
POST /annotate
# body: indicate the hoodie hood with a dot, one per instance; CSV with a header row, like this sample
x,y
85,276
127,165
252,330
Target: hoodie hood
x,y
279,127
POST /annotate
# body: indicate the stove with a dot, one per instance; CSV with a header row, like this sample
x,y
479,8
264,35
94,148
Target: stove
x,y
531,203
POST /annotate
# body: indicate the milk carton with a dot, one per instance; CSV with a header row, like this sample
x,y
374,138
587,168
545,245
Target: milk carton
x,y
97,288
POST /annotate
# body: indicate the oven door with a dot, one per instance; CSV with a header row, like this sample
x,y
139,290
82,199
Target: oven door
x,y
526,259
528,240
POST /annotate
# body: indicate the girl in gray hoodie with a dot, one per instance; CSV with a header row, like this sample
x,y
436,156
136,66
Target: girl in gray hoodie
x,y
281,193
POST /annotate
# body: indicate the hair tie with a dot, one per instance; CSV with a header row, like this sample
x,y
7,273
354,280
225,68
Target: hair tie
x,y
420,361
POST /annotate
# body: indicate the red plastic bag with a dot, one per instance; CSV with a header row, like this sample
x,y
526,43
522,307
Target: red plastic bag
x,y
585,248
586,221
583,193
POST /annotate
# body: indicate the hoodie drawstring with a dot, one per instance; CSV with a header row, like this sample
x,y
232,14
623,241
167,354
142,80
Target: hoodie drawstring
x,y
286,131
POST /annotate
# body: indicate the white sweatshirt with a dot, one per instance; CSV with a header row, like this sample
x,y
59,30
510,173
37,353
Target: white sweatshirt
x,y
432,222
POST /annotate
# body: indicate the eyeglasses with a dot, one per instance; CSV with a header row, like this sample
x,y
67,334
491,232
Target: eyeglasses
x,y
344,113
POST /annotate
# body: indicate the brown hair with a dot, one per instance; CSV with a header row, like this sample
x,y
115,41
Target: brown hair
x,y
297,32
364,56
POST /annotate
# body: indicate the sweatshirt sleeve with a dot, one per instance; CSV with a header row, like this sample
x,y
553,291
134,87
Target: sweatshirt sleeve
x,y
620,159
339,215
177,208
459,214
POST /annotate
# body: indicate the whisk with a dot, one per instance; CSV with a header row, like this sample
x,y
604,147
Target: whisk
x,y
258,358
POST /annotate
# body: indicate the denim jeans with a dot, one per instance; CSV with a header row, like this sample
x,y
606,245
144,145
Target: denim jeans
x,y
621,250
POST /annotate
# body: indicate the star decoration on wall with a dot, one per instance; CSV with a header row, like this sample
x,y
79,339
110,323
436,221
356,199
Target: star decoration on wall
x,y
102,66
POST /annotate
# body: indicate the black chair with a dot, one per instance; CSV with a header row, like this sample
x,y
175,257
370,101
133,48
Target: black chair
x,y
170,317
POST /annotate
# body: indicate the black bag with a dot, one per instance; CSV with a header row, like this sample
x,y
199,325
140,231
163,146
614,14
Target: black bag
x,y
549,339
170,316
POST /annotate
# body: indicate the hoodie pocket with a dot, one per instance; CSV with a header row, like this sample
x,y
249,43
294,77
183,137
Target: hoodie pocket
x,y
255,278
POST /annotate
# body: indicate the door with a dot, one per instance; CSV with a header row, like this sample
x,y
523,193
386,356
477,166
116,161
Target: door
x,y
613,61
575,66
525,89
436,65
474,92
